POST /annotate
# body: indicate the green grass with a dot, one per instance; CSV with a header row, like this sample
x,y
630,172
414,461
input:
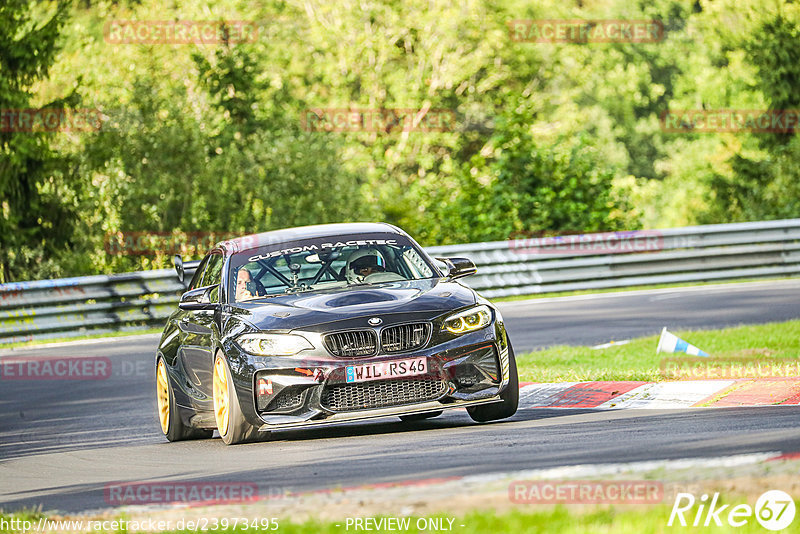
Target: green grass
x,y
638,360
633,288
559,519
118,333
525,519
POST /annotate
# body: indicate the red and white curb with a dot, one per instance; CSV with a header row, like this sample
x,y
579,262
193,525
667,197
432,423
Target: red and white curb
x,y
657,395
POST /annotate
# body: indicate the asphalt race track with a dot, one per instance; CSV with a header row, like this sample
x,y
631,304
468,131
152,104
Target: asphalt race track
x,y
61,443
600,318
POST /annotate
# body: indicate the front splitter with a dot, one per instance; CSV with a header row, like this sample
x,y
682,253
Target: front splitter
x,y
432,406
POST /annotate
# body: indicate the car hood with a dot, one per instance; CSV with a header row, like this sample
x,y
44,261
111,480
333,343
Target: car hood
x,y
392,301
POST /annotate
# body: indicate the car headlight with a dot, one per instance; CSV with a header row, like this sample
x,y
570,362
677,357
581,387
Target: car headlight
x,y
468,320
273,344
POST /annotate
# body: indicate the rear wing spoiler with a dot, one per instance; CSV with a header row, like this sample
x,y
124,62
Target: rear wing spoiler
x,y
185,269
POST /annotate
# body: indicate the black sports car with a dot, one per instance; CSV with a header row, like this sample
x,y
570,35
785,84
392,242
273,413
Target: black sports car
x,y
325,324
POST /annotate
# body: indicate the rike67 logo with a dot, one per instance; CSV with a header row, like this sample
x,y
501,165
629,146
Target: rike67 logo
x,y
774,510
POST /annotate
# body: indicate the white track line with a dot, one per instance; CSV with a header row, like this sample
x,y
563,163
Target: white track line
x,y
593,470
733,286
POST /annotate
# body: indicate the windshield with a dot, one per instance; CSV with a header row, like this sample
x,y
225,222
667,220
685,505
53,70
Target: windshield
x,y
325,263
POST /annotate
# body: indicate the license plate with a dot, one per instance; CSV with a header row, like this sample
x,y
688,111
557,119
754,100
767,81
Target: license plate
x,y
383,370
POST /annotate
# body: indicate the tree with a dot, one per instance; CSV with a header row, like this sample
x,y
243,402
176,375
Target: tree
x,y
518,184
217,153
763,179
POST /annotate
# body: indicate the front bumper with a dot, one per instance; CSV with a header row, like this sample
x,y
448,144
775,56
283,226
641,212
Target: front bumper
x,y
469,370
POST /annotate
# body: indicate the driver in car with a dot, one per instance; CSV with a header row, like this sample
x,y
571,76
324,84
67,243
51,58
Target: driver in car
x,y
243,280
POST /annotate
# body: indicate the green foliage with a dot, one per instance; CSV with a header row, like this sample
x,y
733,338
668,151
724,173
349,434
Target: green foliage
x,y
762,178
224,167
38,185
773,50
516,184
547,136
760,186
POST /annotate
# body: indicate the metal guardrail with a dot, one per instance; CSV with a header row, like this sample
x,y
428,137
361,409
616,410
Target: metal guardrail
x,y
75,306
767,249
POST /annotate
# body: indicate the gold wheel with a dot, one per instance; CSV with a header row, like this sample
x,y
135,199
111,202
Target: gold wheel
x,y
162,394
221,396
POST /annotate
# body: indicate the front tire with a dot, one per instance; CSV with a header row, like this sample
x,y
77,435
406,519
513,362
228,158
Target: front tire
x,y
506,408
231,424
171,424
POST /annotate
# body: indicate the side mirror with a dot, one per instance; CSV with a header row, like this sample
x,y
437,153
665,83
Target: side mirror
x,y
178,260
198,299
458,267
185,269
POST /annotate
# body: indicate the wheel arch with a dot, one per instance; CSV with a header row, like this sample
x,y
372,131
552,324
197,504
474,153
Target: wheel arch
x,y
242,383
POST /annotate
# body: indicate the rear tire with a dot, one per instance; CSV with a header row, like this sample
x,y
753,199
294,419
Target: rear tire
x,y
506,408
420,416
233,428
171,424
